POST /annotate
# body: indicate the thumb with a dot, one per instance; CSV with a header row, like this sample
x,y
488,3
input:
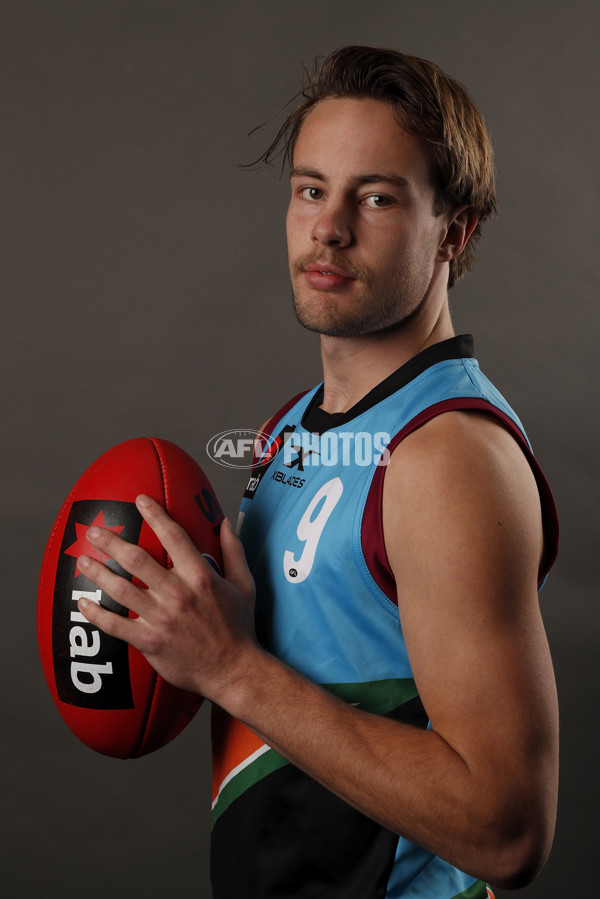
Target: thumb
x,y
235,567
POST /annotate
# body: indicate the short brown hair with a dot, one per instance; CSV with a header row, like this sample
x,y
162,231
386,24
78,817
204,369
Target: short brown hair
x,y
427,103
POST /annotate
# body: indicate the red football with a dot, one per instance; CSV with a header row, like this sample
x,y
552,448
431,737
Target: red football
x,y
105,690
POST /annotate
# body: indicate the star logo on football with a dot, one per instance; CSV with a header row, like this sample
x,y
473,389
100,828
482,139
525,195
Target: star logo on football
x,y
81,547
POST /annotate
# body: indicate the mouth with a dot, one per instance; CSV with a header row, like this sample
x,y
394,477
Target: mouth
x,y
325,276
326,268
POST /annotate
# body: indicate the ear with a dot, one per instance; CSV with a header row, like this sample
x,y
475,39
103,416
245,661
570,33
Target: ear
x,y
460,225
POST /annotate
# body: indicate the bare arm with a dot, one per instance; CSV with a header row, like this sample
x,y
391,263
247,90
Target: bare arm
x,y
464,539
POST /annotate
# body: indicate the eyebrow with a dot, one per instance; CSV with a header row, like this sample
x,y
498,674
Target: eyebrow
x,y
359,180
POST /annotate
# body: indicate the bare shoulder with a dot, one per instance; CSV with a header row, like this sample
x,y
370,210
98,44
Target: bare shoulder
x,y
457,444
465,471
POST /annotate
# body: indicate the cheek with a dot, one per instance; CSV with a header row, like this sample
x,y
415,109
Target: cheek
x,y
289,233
298,231
417,245
390,252
291,225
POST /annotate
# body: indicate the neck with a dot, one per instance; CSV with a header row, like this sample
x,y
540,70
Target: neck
x,y
352,366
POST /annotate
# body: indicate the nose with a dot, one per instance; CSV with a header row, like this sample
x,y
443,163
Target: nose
x,y
333,226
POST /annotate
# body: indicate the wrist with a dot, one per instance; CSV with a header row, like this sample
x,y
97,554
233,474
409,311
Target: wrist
x,y
243,685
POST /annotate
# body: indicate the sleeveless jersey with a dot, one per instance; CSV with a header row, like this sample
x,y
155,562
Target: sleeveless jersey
x,y
327,606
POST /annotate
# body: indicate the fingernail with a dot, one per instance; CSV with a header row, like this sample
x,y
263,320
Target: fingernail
x,y
93,532
143,500
83,561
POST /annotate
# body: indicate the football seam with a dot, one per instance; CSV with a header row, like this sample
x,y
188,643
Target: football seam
x,y
140,747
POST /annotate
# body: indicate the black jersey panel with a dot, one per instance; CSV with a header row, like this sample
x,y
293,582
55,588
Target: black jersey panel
x,y
293,839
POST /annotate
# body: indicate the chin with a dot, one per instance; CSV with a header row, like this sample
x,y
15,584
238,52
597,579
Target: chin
x,y
328,327
322,320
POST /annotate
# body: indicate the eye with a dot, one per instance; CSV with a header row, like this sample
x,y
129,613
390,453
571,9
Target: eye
x,y
311,193
377,201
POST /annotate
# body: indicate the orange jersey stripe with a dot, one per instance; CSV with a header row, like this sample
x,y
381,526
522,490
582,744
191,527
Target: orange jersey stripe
x,y
232,744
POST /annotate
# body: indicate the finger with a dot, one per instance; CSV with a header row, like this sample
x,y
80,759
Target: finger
x,y
171,535
234,560
131,557
112,624
118,588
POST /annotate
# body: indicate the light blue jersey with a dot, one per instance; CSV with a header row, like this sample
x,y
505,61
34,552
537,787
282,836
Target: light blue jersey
x,y
326,605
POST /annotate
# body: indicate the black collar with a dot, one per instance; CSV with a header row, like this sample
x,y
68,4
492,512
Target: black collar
x,y
318,421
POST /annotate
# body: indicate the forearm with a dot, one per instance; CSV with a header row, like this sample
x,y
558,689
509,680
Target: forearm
x,y
408,779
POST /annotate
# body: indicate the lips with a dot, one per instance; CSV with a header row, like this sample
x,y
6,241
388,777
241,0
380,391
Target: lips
x,y
325,276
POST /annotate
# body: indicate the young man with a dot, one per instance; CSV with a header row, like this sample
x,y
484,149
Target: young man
x,y
391,730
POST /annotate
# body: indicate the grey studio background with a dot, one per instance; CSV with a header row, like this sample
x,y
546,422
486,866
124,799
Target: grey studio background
x,y
145,292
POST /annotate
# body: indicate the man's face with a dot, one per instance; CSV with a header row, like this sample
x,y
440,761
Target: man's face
x,y
362,235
